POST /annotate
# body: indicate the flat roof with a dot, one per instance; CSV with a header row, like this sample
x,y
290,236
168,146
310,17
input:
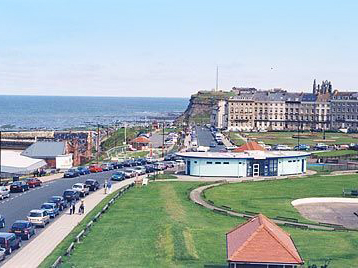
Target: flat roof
x,y
255,154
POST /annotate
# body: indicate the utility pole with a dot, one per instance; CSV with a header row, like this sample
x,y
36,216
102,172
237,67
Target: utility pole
x,y
98,141
217,78
298,135
163,139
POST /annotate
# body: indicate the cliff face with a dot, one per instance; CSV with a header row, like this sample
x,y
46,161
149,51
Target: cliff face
x,y
201,104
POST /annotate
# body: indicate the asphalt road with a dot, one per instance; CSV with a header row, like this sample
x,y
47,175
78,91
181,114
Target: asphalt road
x,y
205,138
18,206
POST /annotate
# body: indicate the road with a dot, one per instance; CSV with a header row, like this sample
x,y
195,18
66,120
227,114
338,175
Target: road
x,y
18,206
205,138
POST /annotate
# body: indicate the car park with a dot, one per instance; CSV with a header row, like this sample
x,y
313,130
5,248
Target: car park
x,y
71,195
83,170
23,229
39,217
33,182
95,168
2,221
51,208
9,242
71,173
19,186
4,192
118,176
2,254
59,201
82,188
93,185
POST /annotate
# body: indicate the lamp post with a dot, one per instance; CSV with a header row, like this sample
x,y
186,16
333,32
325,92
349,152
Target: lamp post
x,y
0,159
163,139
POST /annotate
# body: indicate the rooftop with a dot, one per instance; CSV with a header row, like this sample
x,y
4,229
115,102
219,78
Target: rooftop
x,y
259,240
45,149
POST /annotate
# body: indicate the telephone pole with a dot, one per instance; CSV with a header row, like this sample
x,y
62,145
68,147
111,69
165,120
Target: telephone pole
x,y
163,139
0,159
217,78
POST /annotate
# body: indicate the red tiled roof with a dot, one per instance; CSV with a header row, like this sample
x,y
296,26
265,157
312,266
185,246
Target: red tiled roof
x,y
141,139
249,146
261,240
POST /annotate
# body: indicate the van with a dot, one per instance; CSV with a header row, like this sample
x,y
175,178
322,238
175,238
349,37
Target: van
x,y
9,242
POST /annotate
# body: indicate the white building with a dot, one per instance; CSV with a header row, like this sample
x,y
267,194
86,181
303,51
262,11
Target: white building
x,y
218,117
248,161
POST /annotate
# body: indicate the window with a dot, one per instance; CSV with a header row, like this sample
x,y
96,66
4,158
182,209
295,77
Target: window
x,y
226,163
240,163
217,163
209,163
195,162
289,161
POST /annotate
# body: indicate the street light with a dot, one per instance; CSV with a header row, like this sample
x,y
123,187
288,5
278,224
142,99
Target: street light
x,y
0,158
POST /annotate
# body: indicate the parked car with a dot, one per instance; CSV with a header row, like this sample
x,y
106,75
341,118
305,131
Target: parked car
x,y
140,170
106,167
149,168
93,185
4,192
118,176
71,173
2,221
51,208
9,242
159,166
39,217
302,147
83,170
212,144
129,163
130,173
33,182
71,195
2,254
320,146
82,188
19,186
23,229
59,201
281,147
95,168
115,165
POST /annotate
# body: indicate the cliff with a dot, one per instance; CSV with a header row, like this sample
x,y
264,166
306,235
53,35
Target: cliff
x,y
201,105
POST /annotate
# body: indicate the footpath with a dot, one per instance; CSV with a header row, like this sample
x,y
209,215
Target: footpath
x,y
33,254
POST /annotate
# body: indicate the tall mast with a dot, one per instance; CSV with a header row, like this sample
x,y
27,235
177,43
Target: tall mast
x,y
217,78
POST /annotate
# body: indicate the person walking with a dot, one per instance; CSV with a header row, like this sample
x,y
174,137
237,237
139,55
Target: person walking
x,y
109,185
81,210
105,186
73,207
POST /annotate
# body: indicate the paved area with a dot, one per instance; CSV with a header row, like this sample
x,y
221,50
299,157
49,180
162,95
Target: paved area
x,y
195,196
334,213
43,244
205,138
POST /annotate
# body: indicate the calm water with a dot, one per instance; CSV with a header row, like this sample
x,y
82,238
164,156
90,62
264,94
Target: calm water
x,y
53,112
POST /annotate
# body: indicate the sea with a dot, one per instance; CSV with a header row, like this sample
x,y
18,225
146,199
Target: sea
x,y
67,112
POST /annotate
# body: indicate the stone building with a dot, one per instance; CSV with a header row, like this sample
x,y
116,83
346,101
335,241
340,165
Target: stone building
x,y
344,110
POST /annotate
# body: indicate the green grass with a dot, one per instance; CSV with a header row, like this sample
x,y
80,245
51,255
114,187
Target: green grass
x,y
157,226
62,247
337,153
234,138
163,177
272,138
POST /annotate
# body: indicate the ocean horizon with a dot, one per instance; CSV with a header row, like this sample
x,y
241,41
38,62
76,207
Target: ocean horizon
x,y
27,112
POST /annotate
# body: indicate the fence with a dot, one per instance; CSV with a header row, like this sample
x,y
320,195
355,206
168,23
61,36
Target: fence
x,y
89,225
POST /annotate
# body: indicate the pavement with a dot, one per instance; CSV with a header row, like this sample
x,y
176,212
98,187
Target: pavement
x,y
44,243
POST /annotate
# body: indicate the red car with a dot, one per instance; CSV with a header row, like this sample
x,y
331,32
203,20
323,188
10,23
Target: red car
x,y
33,182
95,168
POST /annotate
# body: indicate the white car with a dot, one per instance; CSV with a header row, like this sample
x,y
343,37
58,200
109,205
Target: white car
x,y
82,188
139,170
4,192
39,217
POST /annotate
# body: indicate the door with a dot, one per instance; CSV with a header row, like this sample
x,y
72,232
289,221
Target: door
x,y
255,170
303,165
187,167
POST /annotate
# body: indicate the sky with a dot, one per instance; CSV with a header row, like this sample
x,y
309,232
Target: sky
x,y
171,48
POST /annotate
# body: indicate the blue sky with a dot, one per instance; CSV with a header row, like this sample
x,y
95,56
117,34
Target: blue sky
x,y
171,48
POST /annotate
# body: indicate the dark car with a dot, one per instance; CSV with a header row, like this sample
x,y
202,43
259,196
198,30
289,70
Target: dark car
x,y
83,170
59,201
71,173
19,186
2,221
23,229
9,242
33,182
71,195
129,163
118,176
93,185
149,168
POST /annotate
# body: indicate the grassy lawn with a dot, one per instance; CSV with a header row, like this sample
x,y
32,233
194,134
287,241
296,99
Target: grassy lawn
x,y
234,138
337,153
272,138
163,177
157,226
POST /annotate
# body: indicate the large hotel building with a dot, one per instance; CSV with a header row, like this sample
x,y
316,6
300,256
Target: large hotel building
x,y
323,109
